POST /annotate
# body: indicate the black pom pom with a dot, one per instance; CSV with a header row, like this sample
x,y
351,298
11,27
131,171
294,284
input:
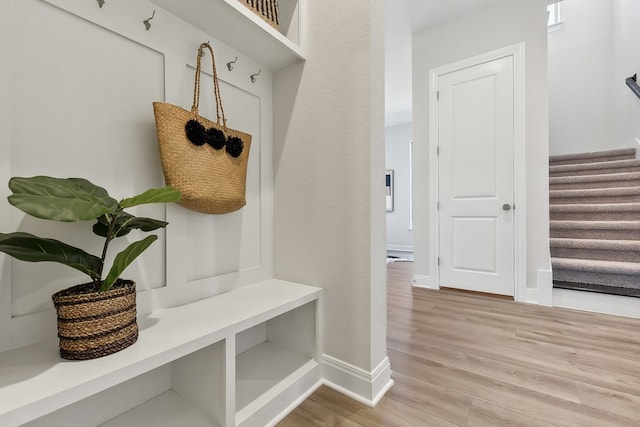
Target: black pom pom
x,y
196,133
234,146
216,138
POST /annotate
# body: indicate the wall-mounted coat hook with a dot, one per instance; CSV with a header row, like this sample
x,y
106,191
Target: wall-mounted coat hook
x,y
230,64
147,22
202,52
100,3
253,76
632,82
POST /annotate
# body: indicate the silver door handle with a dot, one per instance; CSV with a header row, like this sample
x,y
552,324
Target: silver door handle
x,y
506,207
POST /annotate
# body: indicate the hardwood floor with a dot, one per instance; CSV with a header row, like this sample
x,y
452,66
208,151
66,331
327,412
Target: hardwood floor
x,y
467,360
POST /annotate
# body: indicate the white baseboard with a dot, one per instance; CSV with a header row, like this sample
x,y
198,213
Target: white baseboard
x,y
400,248
420,281
545,287
529,296
356,383
597,303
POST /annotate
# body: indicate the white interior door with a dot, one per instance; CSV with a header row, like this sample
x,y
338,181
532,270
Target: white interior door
x,y
476,190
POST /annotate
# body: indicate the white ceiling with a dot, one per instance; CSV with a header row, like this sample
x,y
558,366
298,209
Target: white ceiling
x,y
402,18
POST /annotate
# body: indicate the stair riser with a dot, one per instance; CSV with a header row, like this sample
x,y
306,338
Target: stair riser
x,y
602,289
592,160
598,184
597,279
595,254
594,200
583,172
595,234
594,216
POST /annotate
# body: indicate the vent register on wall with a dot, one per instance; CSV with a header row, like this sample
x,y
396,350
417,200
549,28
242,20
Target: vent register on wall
x,y
216,348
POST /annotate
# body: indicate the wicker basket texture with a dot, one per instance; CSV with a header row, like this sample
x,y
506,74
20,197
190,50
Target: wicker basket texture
x,y
96,324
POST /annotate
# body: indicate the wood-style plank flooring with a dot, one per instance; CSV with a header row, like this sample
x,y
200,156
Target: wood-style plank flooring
x,y
466,360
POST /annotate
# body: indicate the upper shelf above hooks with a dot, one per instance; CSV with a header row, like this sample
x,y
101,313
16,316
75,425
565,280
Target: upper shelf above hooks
x,y
237,26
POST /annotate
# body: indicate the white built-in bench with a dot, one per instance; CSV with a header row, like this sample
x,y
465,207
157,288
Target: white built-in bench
x,y
236,359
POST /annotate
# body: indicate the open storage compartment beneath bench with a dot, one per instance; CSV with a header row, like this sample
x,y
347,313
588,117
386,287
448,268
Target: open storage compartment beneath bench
x,y
273,357
196,397
189,391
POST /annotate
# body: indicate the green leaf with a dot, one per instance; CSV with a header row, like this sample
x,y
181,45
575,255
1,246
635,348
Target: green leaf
x,y
30,248
101,227
124,258
125,223
144,224
60,199
155,195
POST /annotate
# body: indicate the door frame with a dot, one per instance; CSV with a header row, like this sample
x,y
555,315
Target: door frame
x,y
519,162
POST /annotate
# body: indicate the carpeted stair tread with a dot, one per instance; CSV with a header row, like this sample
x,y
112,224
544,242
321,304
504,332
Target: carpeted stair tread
x,y
595,156
596,272
625,291
595,225
586,265
622,179
596,195
595,212
600,244
595,207
607,230
596,249
595,168
596,192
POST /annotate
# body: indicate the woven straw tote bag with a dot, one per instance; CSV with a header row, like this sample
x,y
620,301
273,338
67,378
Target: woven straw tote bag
x,y
205,160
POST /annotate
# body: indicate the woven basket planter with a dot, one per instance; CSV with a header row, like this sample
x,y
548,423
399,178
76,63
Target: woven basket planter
x,y
94,324
268,10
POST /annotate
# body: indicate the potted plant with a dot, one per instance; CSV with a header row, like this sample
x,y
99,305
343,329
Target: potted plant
x,y
98,317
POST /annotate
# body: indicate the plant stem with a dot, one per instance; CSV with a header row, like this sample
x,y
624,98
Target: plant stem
x,y
110,235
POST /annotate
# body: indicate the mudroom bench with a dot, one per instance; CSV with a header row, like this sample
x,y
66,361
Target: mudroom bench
x,y
236,359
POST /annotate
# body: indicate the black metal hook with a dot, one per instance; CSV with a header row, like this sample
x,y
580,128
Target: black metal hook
x,y
633,85
230,64
147,23
253,76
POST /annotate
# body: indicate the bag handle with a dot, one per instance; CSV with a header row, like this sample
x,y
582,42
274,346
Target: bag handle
x,y
216,87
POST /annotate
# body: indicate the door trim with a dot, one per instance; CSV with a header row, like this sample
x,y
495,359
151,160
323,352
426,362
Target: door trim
x,y
519,162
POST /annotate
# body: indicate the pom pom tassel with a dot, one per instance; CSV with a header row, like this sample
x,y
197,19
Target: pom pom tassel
x,y
196,133
234,146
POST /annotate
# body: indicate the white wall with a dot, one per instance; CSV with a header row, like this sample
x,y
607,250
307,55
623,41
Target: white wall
x,y
626,40
329,168
398,156
504,24
590,56
581,114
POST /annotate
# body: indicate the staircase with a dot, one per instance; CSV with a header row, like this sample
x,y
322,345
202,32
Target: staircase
x,y
594,207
